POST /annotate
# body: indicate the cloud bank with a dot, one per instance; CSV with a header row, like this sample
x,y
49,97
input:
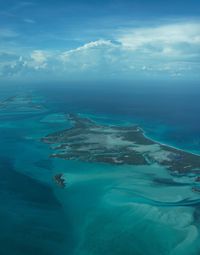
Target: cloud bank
x,y
169,50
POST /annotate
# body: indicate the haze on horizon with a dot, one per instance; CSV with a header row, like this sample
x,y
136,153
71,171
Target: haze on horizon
x,y
99,40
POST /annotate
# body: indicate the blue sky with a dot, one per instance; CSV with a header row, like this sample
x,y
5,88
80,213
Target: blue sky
x,y
72,40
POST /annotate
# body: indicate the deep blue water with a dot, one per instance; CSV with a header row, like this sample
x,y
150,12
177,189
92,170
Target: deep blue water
x,y
90,217
168,112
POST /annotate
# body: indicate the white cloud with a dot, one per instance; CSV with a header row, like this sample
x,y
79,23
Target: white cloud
x,y
39,58
168,50
94,57
99,45
165,38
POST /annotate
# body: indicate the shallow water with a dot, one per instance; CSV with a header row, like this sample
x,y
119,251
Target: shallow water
x,y
104,209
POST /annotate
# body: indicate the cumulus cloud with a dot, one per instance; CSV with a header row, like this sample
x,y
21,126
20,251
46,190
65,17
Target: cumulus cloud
x,y
13,68
169,40
95,45
168,50
93,57
167,34
39,59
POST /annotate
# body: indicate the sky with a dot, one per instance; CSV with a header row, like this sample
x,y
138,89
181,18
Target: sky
x,y
100,40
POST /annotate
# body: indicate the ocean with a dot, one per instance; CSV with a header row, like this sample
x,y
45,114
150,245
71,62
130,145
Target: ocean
x,y
104,209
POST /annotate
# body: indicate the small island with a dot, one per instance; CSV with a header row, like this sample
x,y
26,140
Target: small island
x,y
59,180
91,142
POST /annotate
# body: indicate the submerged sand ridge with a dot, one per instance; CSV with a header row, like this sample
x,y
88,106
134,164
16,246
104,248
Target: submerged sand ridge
x,y
91,142
21,102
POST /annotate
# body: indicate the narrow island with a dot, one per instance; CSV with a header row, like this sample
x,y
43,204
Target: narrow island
x,y
91,142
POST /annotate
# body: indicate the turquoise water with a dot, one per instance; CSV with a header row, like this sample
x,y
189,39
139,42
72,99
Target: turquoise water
x,y
104,209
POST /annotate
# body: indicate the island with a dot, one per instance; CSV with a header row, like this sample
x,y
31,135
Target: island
x,y
91,142
59,180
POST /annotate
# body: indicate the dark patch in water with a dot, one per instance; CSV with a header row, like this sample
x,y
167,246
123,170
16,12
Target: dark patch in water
x,y
197,214
44,163
168,182
27,188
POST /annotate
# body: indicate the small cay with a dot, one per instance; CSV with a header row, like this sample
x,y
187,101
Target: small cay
x,y
59,180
